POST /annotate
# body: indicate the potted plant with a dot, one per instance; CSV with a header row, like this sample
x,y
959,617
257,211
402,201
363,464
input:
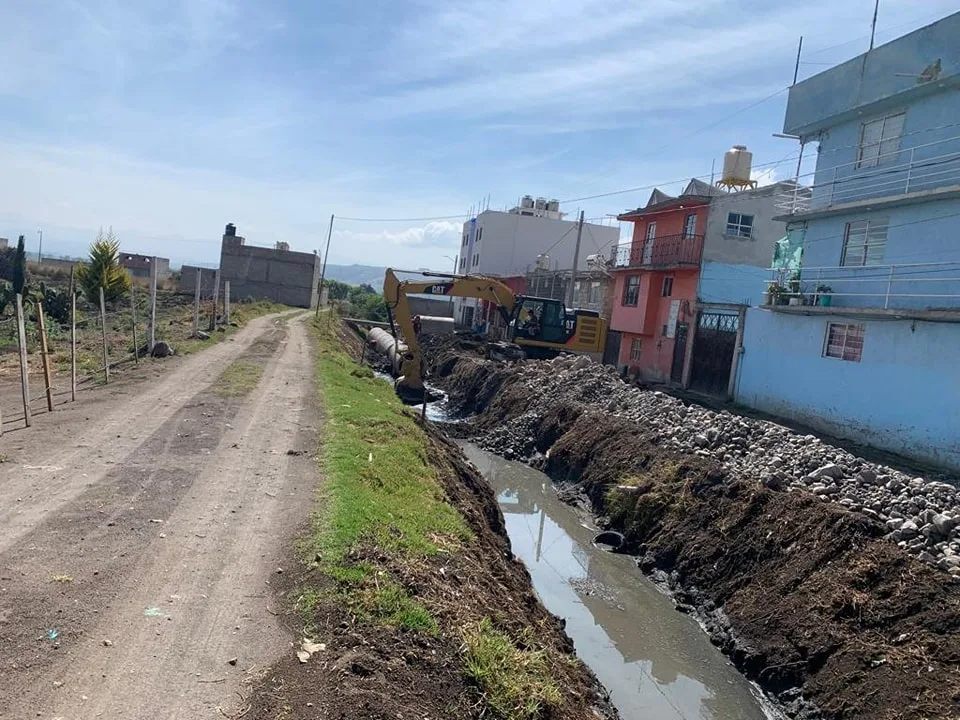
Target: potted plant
x,y
771,294
823,295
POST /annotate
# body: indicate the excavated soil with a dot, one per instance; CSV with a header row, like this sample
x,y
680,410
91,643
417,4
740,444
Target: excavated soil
x,y
806,597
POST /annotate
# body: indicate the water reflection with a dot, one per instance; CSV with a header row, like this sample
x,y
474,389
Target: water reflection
x,y
656,662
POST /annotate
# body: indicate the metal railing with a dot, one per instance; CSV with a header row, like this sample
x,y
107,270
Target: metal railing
x,y
922,167
665,251
913,286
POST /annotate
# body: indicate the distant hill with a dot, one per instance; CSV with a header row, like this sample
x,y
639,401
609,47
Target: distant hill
x,y
357,274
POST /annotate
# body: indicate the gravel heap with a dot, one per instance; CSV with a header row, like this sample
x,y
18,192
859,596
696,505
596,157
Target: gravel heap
x,y
922,516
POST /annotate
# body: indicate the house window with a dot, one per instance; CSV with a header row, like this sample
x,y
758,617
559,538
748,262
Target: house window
x,y
635,349
463,263
668,286
476,259
594,293
864,242
631,290
844,342
651,230
464,243
690,226
739,225
880,140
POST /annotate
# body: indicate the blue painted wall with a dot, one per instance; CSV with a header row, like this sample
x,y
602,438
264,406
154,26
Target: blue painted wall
x,y
924,233
877,80
929,147
732,283
903,396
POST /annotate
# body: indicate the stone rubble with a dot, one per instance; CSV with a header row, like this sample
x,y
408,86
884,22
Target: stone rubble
x,y
921,516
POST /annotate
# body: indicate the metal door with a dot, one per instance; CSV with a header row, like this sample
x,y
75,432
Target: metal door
x,y
611,351
713,350
648,243
679,352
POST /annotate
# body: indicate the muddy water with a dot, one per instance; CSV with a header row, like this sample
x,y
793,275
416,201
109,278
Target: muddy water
x,y
656,662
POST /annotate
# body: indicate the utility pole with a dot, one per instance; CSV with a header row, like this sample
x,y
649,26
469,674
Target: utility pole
x,y
323,269
576,256
796,68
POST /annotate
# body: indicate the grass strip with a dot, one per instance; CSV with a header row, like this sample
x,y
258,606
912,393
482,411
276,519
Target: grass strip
x,y
238,379
516,681
380,492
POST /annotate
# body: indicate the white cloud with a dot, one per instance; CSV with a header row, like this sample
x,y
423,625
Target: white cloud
x,y
765,176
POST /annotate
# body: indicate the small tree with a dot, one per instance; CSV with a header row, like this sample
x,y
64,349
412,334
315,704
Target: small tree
x,y
20,268
103,270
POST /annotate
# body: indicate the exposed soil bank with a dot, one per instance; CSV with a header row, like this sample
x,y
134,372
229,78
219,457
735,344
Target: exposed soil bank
x,y
406,654
805,596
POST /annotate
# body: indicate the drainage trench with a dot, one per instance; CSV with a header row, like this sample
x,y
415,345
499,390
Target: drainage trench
x,y
655,661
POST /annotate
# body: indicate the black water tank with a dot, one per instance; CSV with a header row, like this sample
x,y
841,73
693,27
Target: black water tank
x,y
230,230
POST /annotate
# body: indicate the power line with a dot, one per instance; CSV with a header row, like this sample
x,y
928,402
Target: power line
x,y
411,219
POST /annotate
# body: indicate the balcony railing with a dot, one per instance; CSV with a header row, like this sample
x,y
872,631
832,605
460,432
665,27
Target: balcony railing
x,y
923,167
910,286
666,251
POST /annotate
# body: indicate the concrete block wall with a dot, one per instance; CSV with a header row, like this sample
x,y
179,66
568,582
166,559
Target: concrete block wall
x,y
188,280
264,273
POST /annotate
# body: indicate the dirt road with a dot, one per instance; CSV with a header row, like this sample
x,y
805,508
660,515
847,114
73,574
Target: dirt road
x,y
141,529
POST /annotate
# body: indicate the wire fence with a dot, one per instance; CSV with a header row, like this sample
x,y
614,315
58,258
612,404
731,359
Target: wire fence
x,y
54,352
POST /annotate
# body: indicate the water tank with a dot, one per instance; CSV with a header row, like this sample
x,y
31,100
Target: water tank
x,y
230,230
596,260
553,206
541,203
527,201
736,165
543,262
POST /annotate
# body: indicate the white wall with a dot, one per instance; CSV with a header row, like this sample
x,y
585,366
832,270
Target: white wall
x,y
509,244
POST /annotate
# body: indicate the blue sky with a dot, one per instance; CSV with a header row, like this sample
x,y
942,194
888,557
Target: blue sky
x,y
167,119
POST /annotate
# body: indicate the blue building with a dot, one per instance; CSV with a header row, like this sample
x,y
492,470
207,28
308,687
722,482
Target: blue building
x,y
859,333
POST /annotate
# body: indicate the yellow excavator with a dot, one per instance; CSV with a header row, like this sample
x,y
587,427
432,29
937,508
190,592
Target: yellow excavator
x,y
540,327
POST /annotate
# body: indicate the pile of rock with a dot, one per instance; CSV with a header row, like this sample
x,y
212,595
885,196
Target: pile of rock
x,y
922,516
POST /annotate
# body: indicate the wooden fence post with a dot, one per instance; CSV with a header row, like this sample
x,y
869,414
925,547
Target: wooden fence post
x,y
216,299
153,306
103,330
133,309
73,337
226,302
196,304
24,368
45,356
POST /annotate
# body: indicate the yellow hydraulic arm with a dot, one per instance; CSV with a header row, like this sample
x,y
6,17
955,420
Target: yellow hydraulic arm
x,y
395,293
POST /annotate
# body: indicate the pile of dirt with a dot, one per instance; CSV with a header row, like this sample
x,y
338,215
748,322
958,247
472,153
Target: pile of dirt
x,y
808,598
369,671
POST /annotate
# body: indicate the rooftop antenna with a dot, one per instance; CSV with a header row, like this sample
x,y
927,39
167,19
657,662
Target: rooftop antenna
x,y
873,25
796,68
713,166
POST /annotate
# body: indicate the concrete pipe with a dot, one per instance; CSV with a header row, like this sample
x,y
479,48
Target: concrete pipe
x,y
385,344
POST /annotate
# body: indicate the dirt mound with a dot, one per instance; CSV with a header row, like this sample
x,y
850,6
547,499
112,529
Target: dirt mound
x,y
370,672
808,597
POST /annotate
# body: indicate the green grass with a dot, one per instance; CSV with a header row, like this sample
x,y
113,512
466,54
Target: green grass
x,y
380,492
516,682
239,378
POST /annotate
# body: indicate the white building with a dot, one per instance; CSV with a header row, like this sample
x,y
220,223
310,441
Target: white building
x,y
510,244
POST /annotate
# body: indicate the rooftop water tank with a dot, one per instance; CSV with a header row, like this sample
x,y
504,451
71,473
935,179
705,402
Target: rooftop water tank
x,y
230,230
737,162
553,205
541,203
543,262
527,201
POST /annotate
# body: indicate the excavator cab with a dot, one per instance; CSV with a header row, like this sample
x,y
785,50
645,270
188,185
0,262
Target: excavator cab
x,y
543,327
